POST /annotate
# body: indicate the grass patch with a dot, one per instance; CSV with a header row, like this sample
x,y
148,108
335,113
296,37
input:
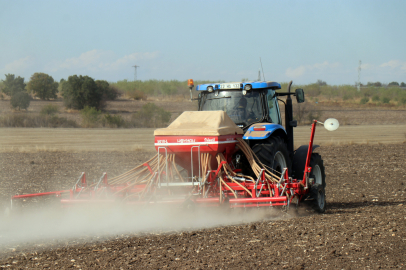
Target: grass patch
x,y
49,110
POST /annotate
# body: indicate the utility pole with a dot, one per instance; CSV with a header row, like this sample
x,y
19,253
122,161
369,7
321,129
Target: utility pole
x,y
135,72
359,75
259,75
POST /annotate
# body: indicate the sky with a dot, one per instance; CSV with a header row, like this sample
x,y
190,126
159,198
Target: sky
x,y
303,41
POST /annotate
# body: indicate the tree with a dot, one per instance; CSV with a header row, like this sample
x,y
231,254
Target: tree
x,y
43,86
109,92
321,83
81,91
20,100
393,84
12,85
403,84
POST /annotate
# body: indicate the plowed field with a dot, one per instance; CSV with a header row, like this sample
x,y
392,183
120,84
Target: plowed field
x,y
363,228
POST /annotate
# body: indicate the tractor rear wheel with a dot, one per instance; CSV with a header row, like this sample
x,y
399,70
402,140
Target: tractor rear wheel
x,y
273,154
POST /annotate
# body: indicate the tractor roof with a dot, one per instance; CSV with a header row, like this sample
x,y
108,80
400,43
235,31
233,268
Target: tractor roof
x,y
239,85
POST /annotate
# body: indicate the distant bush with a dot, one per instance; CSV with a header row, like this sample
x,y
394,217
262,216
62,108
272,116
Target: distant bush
x,y
375,98
346,97
49,110
402,100
403,84
385,100
137,95
151,116
20,100
31,121
43,86
364,100
90,116
113,121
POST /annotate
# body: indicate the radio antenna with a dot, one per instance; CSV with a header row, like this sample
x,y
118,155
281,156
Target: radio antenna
x,y
263,75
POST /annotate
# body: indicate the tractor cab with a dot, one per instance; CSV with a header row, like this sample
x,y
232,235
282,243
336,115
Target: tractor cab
x,y
253,106
245,103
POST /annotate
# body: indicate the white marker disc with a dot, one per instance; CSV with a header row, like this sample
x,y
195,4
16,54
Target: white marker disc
x,y
331,124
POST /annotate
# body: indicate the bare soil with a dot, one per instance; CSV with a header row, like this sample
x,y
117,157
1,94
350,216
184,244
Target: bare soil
x,y
363,228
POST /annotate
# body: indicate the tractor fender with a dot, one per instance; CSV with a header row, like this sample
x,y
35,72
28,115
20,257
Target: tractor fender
x,y
268,130
299,160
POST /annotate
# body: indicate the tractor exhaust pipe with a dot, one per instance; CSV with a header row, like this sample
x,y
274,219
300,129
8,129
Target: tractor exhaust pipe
x,y
288,120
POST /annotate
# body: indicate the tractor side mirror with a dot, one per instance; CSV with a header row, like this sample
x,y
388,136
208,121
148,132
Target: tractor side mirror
x,y
300,98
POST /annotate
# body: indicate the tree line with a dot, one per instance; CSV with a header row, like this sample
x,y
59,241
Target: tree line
x,y
77,91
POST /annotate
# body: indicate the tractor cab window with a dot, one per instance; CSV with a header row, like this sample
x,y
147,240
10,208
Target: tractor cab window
x,y
273,107
242,109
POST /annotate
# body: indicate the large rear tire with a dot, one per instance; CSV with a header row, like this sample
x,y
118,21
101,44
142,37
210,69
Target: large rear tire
x,y
273,154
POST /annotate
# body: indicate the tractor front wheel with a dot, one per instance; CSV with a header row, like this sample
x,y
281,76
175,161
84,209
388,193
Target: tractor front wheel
x,y
318,196
318,172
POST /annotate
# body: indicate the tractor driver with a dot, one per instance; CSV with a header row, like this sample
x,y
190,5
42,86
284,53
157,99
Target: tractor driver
x,y
242,114
241,110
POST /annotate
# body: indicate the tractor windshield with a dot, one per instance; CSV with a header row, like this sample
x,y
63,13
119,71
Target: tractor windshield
x,y
242,109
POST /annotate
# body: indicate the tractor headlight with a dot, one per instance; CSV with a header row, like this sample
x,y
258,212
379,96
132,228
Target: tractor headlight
x,y
247,87
210,89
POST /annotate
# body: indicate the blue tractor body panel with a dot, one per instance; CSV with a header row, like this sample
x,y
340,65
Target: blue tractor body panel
x,y
239,85
270,128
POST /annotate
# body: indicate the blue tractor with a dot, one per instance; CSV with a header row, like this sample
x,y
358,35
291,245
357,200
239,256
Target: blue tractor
x,y
254,107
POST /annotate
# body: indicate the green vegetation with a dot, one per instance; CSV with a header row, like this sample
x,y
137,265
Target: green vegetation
x,y
49,110
32,121
108,92
151,116
90,116
133,89
13,85
81,91
113,121
139,90
385,100
43,86
364,100
20,100
350,94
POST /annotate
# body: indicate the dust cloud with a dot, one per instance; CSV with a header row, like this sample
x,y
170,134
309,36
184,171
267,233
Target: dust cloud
x,y
50,223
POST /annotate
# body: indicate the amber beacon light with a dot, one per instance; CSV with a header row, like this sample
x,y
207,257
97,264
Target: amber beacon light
x,y
191,85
